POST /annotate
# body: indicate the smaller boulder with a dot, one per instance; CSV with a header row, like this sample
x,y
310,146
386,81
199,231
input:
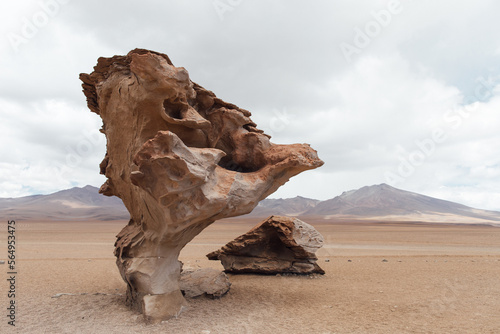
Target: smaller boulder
x,y
278,245
207,281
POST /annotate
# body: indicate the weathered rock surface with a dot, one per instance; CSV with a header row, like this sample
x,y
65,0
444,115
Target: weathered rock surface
x,y
207,281
179,158
277,245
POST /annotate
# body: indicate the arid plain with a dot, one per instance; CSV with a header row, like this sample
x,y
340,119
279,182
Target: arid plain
x,y
380,278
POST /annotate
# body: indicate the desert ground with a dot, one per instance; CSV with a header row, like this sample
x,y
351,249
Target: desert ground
x,y
380,278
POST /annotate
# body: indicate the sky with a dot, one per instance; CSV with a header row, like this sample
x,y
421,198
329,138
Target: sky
x,y
399,92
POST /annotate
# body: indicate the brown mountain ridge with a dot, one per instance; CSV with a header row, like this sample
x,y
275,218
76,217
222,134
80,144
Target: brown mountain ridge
x,y
378,202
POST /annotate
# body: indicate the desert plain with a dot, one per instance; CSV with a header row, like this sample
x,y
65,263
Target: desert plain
x,y
381,277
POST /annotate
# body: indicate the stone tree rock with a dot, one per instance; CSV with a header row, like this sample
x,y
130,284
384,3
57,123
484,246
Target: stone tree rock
x,y
179,158
278,245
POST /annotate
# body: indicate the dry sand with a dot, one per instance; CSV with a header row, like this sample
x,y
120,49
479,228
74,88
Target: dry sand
x,y
380,278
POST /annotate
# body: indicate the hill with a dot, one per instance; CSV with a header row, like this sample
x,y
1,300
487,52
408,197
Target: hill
x,y
378,202
75,203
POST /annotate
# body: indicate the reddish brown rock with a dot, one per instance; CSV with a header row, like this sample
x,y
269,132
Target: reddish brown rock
x,y
179,158
278,245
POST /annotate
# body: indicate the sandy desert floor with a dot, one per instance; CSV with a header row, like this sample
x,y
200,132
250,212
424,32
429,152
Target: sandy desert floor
x,y
380,278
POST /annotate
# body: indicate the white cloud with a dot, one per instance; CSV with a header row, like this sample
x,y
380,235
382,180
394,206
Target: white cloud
x,y
387,112
53,145
282,61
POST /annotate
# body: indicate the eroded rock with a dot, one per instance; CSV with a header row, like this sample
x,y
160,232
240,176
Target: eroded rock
x,y
207,281
179,158
277,245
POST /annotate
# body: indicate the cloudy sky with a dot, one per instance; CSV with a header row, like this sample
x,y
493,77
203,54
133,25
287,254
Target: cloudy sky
x,y
399,92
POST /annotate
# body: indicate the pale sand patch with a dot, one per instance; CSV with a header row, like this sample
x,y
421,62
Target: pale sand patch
x,y
437,279
74,205
422,217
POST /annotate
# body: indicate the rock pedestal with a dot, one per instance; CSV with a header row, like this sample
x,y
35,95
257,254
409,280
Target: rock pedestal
x,y
179,158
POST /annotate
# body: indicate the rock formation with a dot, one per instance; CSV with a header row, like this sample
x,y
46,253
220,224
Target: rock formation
x,y
277,245
179,158
204,282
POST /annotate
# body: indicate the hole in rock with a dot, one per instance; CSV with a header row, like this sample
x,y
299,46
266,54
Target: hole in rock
x,y
173,109
228,163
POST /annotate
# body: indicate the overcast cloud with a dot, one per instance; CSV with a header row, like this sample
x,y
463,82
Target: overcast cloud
x,y
399,92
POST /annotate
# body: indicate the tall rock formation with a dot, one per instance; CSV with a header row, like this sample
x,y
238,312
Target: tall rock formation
x,y
179,158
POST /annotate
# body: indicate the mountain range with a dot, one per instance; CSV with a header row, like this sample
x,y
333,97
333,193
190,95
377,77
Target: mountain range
x,y
378,202
72,204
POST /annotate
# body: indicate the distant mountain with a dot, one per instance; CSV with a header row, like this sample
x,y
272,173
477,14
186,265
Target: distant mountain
x,y
385,201
70,204
379,202
287,207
